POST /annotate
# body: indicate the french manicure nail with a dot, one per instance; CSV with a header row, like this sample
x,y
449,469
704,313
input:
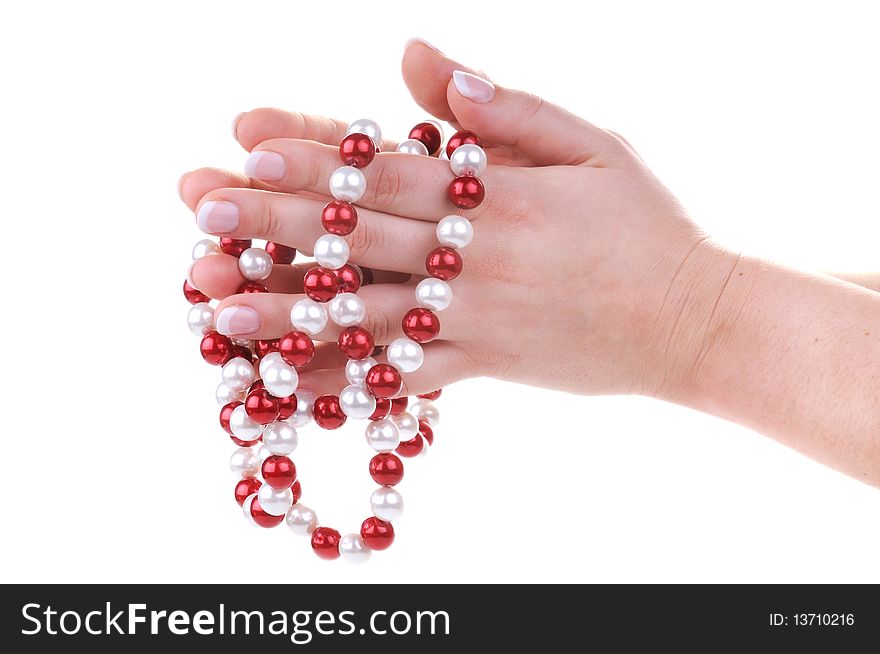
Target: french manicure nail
x,y
268,166
472,87
235,122
217,217
418,39
237,320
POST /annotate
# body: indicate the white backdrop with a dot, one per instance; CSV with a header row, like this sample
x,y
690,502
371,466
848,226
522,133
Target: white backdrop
x,y
762,118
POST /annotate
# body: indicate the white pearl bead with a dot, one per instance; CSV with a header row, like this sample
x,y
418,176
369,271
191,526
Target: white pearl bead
x,y
238,373
303,414
280,438
263,453
331,251
434,294
274,501
244,462
426,410
353,549
405,355
368,127
225,395
382,435
468,159
279,378
356,370
246,508
407,425
443,156
348,184
205,247
356,402
242,426
255,264
347,309
412,146
301,519
200,318
455,231
308,316
386,503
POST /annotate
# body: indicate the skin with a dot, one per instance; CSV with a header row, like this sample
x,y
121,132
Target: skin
x,y
585,274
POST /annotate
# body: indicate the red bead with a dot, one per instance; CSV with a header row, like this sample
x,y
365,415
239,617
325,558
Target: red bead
x,y
296,348
234,246
398,405
349,279
258,384
262,518
261,406
377,534
339,218
193,295
383,406
297,491
216,348
241,351
278,471
466,192
327,412
357,150
245,487
430,136
426,432
421,325
264,347
412,447
366,276
386,469
253,287
286,407
281,254
444,263
320,284
325,543
433,395
356,342
241,443
461,138
383,380
225,412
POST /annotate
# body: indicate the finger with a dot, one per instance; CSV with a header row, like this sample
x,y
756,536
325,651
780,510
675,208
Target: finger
x,y
379,241
402,184
194,184
870,281
258,125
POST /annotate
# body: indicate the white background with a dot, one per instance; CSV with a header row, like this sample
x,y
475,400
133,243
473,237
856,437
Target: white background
x,y
762,117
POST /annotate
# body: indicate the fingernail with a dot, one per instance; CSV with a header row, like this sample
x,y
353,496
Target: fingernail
x,y
472,87
217,217
418,39
235,122
268,166
237,320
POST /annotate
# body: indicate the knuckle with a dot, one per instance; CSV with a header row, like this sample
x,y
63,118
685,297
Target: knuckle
x,y
386,188
270,222
381,326
532,104
362,240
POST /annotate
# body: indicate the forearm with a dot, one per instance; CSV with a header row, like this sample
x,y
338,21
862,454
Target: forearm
x,y
797,357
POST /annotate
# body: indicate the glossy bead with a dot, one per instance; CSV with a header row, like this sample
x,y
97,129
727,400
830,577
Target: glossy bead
x,y
280,379
243,426
286,406
238,374
264,347
430,136
280,438
328,413
308,316
245,487
398,405
246,508
356,403
382,435
278,471
353,549
407,424
433,395
252,287
193,295
377,534
427,411
383,406
426,432
320,284
412,146
455,231
339,218
331,251
460,138
356,370
242,352
387,504
349,279
262,407
216,348
386,469
347,184
468,159
281,254
225,413
234,246
356,342
203,248
301,519
296,490
466,192
325,543
296,348
421,325
410,448
255,264
275,501
368,127
347,309
383,380
434,294
200,318
444,263
405,355
262,517
357,150
305,401
244,462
